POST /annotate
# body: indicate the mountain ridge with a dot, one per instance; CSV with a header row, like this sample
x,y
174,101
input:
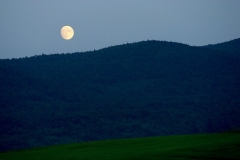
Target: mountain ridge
x,y
229,46
132,90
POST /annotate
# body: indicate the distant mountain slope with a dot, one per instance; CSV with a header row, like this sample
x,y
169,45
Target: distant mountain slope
x,y
147,59
232,46
131,90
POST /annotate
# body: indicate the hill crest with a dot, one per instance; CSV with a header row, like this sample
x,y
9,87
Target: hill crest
x,y
141,89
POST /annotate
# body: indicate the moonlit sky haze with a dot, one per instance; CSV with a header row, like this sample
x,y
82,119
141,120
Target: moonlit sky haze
x,y
32,27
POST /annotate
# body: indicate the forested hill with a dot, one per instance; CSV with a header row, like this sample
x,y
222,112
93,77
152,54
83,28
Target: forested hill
x,y
132,90
231,46
148,59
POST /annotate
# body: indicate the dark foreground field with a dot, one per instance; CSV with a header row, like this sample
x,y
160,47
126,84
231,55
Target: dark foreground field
x,y
205,146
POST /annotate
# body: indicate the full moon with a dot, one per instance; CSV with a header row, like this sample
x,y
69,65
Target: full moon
x,y
67,32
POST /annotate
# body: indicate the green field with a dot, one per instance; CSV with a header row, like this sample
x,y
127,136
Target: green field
x,y
204,146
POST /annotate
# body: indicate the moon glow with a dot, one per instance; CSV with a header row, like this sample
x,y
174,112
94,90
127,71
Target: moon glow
x,y
67,32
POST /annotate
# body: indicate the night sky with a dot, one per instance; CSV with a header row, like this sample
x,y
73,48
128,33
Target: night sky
x,y
32,27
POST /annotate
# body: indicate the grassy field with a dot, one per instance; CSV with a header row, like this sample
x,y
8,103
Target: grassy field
x,y
205,146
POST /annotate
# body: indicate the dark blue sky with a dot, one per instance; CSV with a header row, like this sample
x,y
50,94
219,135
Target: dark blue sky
x,y
32,27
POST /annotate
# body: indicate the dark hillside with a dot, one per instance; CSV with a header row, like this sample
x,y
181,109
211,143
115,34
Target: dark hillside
x,y
141,89
230,46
